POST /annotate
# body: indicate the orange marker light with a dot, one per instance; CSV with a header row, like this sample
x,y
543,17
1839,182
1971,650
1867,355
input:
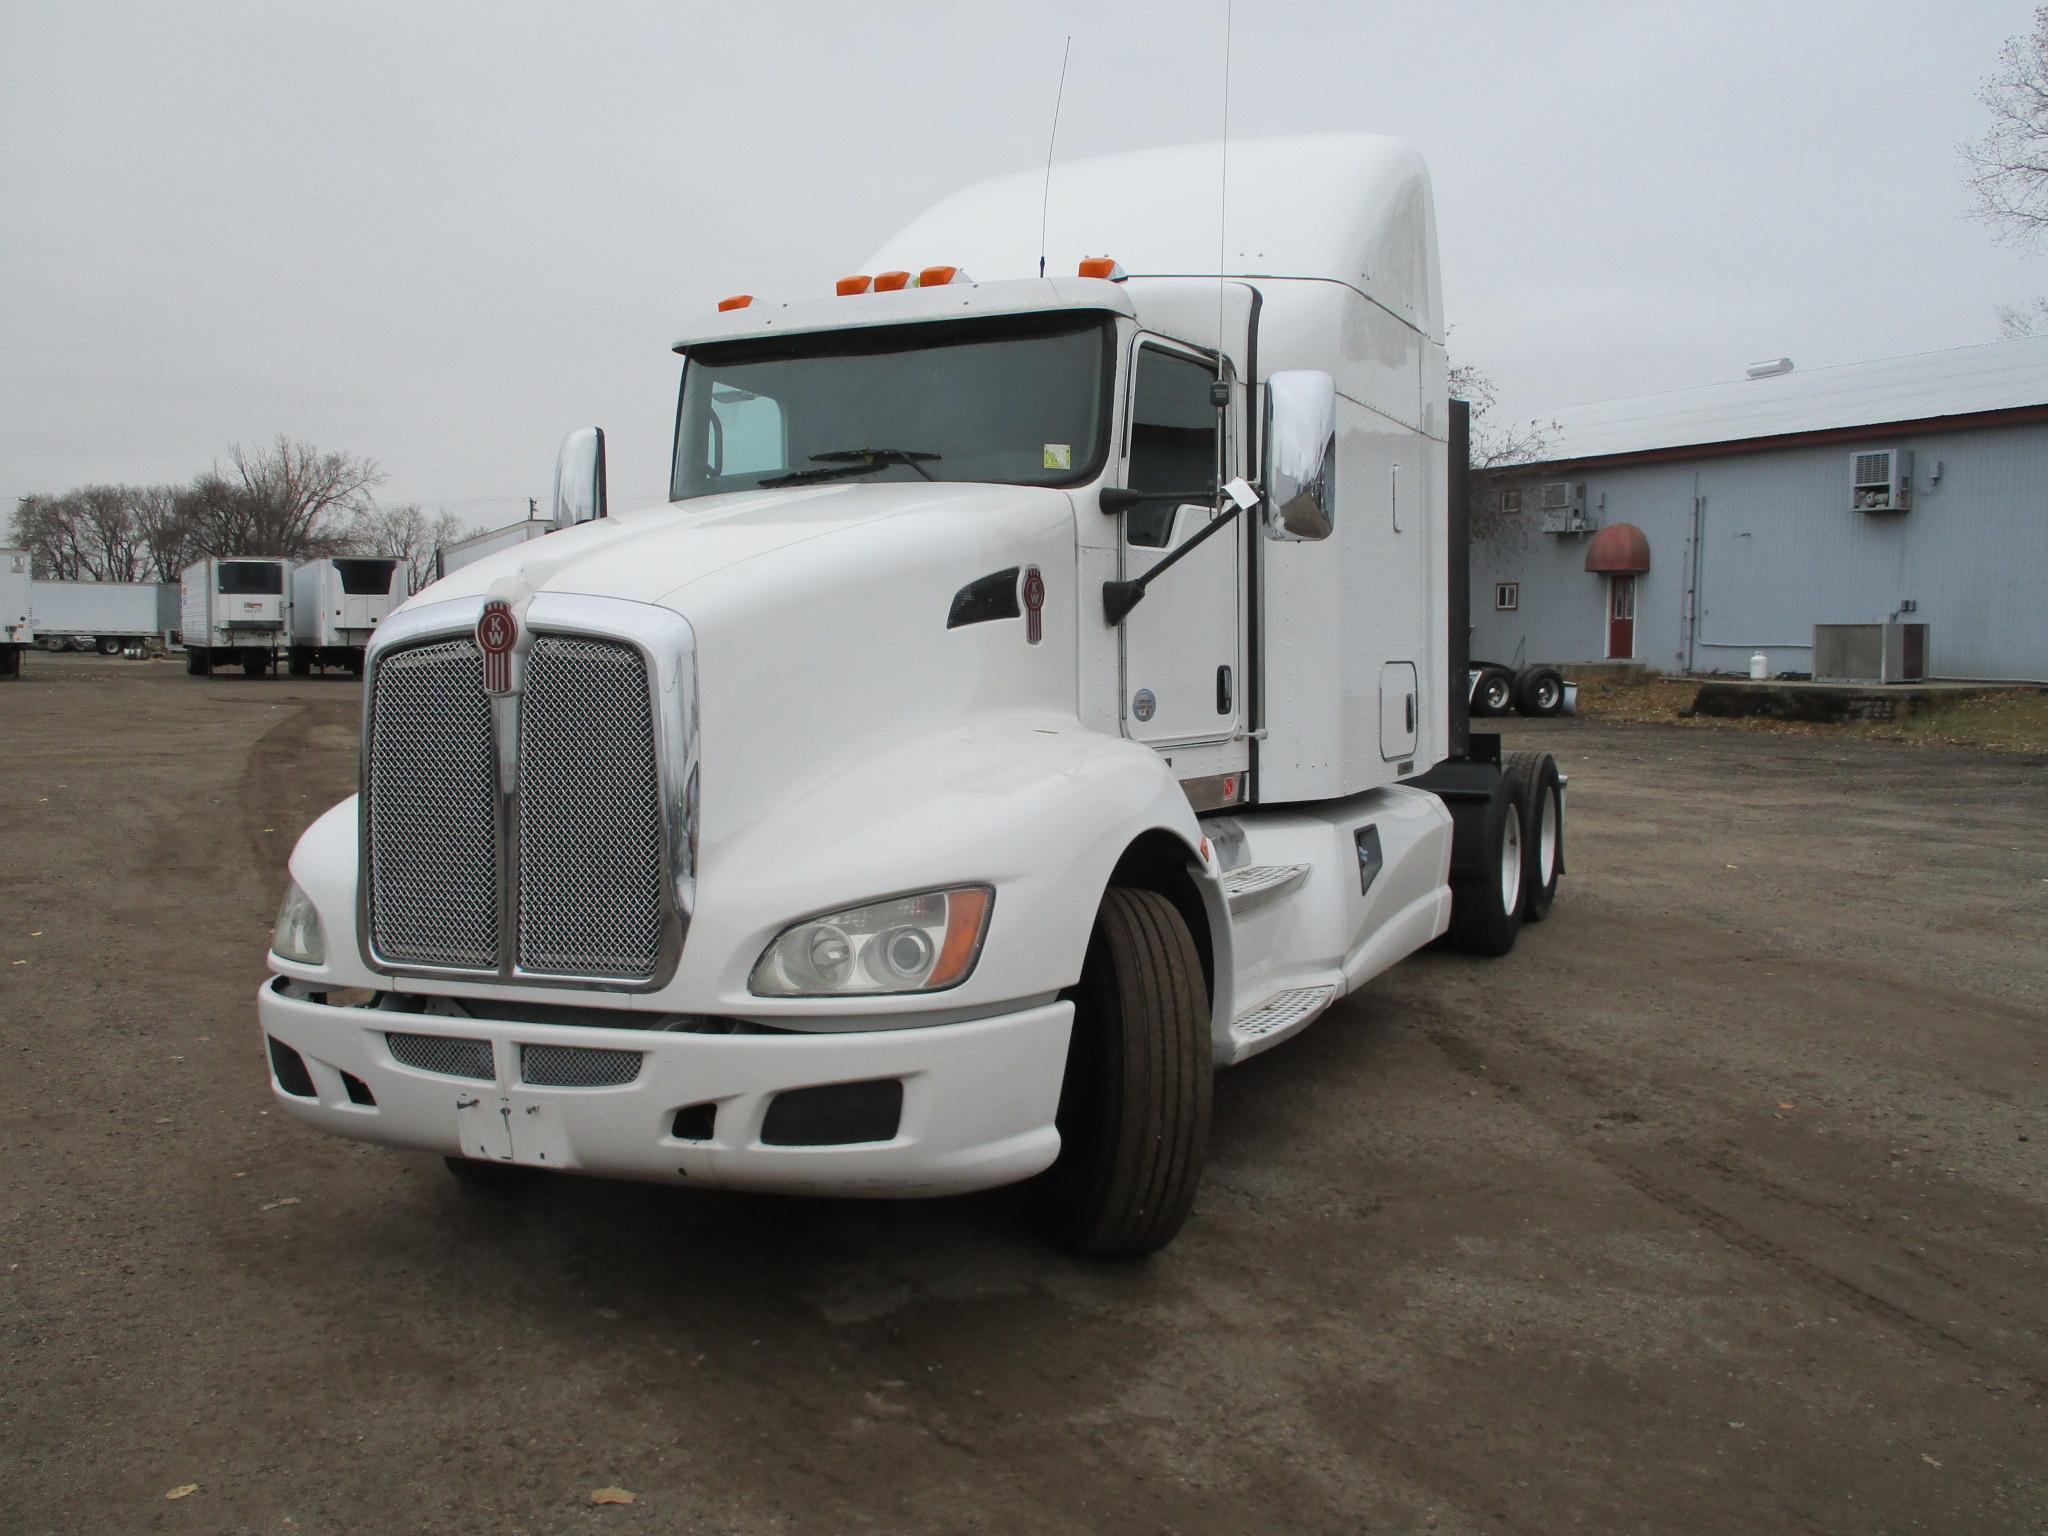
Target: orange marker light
x,y
966,921
937,277
737,301
852,285
1104,267
889,282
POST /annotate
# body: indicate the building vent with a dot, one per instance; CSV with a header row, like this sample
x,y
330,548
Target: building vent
x,y
1564,507
1881,480
1770,368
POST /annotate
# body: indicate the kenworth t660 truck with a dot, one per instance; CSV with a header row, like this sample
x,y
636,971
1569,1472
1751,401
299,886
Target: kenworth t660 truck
x,y
1034,694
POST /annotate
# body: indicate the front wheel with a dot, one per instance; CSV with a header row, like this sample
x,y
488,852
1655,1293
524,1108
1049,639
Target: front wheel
x,y
1134,1109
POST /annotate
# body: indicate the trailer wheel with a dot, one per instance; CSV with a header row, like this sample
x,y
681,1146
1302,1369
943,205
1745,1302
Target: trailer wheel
x,y
253,664
1541,793
1494,692
299,663
1539,691
110,645
198,662
1486,905
476,1173
10,661
1134,1110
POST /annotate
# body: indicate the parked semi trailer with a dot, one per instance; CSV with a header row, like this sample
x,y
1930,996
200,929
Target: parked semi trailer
x,y
1036,694
107,616
17,623
236,610
336,606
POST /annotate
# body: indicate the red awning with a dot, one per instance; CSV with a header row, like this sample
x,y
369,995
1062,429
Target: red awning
x,y
1618,547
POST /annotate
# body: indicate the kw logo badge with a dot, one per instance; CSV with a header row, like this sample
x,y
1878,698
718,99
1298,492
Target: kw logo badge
x,y
497,633
1034,605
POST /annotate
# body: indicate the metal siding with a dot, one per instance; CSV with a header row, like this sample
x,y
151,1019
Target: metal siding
x,y
1782,551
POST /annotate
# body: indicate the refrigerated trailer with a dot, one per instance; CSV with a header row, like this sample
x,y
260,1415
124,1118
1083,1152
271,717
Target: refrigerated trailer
x,y
336,606
107,616
17,623
1036,693
235,610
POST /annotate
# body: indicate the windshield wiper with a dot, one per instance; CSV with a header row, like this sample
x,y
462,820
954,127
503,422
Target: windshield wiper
x,y
855,461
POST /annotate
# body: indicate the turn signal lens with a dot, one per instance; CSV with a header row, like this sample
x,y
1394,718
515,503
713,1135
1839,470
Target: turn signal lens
x,y
852,285
1104,267
938,277
889,282
922,943
737,301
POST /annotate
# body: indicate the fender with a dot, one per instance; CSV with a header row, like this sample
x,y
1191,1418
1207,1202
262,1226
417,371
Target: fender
x,y
1035,805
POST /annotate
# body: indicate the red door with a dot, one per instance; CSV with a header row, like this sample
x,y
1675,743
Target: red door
x,y
1621,617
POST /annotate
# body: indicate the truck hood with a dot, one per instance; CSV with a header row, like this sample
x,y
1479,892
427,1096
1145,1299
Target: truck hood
x,y
655,555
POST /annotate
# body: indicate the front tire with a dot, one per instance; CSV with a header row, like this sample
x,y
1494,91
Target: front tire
x,y
1134,1110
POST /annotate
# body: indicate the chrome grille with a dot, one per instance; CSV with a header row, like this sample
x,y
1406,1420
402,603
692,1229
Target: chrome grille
x,y
429,800
576,1066
590,826
444,1054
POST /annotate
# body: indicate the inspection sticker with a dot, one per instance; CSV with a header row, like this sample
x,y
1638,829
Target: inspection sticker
x,y
1059,455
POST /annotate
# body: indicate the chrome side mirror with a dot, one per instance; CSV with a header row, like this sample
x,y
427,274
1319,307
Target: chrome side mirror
x,y
1301,450
579,478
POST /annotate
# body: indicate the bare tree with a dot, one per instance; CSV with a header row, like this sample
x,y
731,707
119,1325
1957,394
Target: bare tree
x,y
97,533
2017,322
285,499
1497,446
2007,169
408,533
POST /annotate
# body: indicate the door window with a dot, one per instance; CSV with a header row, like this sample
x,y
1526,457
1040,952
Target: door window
x,y
1624,597
1173,441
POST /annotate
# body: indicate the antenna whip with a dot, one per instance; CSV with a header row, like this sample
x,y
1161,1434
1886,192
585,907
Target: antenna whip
x,y
1045,204
1223,193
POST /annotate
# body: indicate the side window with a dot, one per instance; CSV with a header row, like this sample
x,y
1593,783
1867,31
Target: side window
x,y
1173,441
748,434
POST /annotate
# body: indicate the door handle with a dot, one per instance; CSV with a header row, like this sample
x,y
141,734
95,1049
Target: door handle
x,y
1411,714
1223,690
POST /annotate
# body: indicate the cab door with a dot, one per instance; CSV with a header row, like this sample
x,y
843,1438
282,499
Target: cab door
x,y
1181,648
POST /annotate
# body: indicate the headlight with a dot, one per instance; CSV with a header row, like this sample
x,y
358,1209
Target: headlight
x,y
297,935
921,943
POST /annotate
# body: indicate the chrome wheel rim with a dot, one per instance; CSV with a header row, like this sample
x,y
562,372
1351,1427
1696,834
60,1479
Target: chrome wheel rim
x,y
1546,838
1511,863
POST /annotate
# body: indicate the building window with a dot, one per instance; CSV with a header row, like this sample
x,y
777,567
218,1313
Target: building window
x,y
1511,500
1507,596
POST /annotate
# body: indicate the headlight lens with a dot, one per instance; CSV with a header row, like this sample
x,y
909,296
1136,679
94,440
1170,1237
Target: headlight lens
x,y
298,936
921,943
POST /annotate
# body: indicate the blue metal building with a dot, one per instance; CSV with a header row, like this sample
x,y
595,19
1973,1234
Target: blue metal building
x,y
1687,531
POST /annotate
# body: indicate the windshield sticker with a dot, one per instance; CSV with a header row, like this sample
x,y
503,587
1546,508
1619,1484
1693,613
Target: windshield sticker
x,y
1059,455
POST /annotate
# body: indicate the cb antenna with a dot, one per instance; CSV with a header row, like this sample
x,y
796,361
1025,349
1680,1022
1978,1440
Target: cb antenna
x,y
1045,204
1223,193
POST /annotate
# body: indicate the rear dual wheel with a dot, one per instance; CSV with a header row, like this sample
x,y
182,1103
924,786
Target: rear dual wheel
x,y
1539,790
1494,693
1539,691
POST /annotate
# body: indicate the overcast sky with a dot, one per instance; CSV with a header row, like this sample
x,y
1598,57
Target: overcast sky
x,y
442,235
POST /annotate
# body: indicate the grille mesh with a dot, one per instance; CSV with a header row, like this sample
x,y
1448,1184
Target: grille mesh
x,y
590,848
445,1055
433,873
577,1066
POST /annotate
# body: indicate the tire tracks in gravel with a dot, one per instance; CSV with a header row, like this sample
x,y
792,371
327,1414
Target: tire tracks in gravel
x,y
1541,1102
288,779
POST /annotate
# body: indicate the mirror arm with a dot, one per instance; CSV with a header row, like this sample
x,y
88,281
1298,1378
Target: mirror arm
x,y
1120,597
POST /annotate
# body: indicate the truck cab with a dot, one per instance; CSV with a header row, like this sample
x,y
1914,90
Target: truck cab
x,y
1032,696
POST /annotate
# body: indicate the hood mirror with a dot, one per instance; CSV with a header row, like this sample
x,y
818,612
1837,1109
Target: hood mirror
x,y
1301,444
579,478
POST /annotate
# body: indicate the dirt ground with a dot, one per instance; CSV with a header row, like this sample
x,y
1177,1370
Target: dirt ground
x,y
1719,1206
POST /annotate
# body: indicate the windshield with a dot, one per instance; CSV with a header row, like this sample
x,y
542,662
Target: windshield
x,y
1021,399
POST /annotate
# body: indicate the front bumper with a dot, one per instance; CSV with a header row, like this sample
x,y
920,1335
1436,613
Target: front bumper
x,y
977,1107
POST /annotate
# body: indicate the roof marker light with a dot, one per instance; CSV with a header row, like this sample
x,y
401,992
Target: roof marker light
x,y
737,301
849,286
938,277
1103,266
889,282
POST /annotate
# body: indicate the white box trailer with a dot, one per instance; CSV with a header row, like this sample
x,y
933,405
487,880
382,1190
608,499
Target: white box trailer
x,y
1038,693
450,558
17,622
336,606
107,616
235,609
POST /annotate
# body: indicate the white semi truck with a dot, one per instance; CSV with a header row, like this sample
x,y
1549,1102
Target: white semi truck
x,y
17,624
235,610
336,605
107,616
1034,695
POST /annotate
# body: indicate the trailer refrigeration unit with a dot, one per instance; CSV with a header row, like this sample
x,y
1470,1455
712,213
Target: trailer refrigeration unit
x,y
17,623
336,606
235,609
1034,695
107,616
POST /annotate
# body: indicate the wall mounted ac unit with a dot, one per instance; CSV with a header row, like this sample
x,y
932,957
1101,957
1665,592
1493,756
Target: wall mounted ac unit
x,y
1881,480
1564,507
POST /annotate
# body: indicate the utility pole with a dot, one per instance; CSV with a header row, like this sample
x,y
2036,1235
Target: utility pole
x,y
533,506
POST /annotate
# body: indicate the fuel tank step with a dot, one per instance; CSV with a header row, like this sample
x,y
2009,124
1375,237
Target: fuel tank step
x,y
1253,884
1276,1018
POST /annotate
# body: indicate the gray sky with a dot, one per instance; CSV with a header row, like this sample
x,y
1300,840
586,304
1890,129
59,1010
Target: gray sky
x,y
442,235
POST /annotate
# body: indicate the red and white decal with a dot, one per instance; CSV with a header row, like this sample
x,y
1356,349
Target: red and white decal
x,y
496,633
1034,604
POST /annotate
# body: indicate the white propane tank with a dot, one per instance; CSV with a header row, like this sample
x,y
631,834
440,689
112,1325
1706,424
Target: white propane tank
x,y
1759,666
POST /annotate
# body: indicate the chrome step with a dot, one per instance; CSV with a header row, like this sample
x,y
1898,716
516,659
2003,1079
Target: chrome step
x,y
1250,884
1277,1017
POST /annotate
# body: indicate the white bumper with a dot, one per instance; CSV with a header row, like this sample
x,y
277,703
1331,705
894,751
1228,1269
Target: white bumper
x,y
977,1107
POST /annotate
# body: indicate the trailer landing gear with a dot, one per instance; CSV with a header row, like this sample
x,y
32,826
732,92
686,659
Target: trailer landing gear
x,y
1134,1111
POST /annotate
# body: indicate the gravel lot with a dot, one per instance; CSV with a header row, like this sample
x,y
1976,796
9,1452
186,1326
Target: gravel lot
x,y
1720,1205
